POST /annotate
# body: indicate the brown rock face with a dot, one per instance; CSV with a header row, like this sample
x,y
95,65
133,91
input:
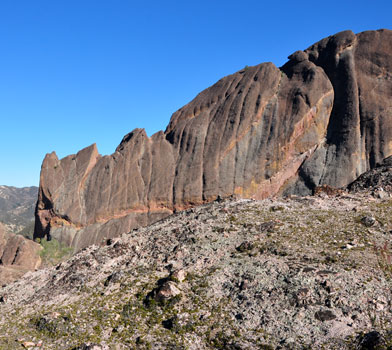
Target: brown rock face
x,y
359,132
17,256
325,117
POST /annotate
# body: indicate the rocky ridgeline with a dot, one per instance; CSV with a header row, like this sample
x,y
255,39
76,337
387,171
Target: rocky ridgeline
x,y
324,118
295,273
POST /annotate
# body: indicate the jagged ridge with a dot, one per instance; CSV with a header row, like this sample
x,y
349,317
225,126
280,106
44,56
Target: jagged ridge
x,y
325,117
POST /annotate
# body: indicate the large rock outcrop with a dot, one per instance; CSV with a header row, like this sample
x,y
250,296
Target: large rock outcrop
x,y
359,131
17,256
325,117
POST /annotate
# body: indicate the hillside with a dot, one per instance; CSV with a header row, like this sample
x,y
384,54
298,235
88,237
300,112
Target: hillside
x,y
294,273
17,208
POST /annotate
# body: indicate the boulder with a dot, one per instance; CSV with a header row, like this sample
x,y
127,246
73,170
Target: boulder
x,y
18,255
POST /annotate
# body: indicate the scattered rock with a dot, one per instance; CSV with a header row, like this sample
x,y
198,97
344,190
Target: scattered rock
x,y
377,180
91,346
167,291
325,315
245,247
371,341
267,226
169,323
113,278
178,275
368,221
348,246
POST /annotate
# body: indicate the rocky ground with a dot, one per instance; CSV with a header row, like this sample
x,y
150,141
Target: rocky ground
x,y
295,273
377,180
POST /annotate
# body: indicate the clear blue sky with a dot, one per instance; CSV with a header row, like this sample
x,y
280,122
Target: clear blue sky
x,y
75,72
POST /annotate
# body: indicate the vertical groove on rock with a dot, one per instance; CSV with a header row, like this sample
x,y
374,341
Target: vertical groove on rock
x,y
322,118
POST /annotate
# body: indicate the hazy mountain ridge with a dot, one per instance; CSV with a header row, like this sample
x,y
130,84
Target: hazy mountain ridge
x,y
17,206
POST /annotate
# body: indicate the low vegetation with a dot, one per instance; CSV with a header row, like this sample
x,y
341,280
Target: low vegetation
x,y
285,274
54,252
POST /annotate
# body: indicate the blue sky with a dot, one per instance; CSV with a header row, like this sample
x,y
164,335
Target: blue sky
x,y
75,72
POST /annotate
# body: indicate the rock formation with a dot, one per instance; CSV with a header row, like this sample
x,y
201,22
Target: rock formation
x,y
17,256
323,118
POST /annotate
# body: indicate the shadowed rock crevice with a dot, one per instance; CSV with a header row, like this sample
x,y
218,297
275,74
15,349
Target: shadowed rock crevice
x,y
325,117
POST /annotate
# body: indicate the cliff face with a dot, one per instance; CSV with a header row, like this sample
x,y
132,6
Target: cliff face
x,y
359,131
325,117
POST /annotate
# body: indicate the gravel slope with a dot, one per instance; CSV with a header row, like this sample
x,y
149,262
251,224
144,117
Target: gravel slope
x,y
294,273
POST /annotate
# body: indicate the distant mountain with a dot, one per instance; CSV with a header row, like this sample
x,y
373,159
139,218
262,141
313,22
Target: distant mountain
x,y
17,208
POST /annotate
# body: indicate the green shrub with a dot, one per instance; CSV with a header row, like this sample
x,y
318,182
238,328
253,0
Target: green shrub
x,y
54,251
